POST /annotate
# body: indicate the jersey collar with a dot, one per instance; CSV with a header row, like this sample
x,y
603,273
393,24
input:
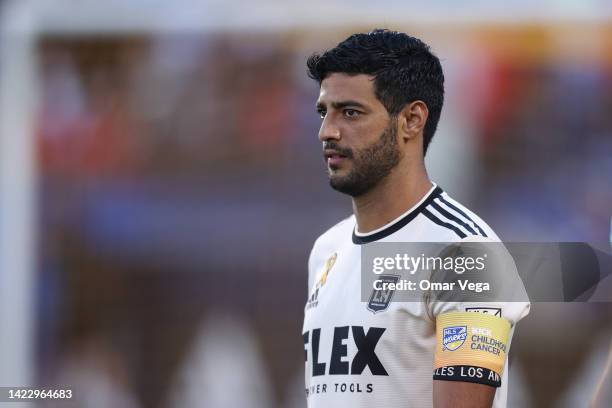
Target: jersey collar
x,y
399,222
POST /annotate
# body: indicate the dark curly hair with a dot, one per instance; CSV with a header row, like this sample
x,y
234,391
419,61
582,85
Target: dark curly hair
x,y
404,70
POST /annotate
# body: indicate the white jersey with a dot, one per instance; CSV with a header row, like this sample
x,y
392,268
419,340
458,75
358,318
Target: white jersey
x,y
357,358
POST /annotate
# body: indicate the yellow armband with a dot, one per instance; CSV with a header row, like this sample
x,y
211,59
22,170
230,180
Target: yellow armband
x,y
471,347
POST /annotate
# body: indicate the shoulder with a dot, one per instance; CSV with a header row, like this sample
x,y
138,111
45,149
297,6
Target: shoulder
x,y
327,244
334,236
454,220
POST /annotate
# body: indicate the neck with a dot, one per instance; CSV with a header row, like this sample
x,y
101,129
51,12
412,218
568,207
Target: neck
x,y
393,196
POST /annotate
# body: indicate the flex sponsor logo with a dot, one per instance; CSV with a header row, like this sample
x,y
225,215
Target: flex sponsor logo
x,y
381,298
453,337
340,387
313,300
339,364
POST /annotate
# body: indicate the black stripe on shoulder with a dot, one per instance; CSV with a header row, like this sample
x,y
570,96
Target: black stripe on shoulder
x,y
454,207
452,217
357,239
444,224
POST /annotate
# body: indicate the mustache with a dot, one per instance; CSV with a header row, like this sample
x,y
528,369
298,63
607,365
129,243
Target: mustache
x,y
342,150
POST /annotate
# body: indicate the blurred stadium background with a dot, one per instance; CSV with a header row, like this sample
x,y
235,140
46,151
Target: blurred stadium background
x,y
162,184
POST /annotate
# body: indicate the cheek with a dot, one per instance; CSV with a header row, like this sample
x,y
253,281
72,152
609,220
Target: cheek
x,y
362,135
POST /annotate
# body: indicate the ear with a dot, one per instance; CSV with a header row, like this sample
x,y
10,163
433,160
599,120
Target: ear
x,y
412,120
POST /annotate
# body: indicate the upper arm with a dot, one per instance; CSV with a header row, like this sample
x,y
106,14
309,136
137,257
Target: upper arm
x,y
473,335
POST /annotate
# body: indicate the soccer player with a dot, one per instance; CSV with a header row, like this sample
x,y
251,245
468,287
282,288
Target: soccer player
x,y
380,99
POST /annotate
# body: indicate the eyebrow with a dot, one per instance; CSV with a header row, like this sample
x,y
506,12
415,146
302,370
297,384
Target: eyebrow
x,y
342,104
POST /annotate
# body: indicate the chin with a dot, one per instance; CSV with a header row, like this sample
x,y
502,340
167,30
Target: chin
x,y
345,185
337,177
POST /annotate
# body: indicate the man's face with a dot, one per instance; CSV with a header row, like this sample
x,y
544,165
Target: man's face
x,y
359,138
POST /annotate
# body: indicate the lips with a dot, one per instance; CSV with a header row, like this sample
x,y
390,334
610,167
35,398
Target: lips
x,y
333,154
334,158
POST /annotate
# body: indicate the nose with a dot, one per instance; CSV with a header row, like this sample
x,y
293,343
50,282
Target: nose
x,y
328,131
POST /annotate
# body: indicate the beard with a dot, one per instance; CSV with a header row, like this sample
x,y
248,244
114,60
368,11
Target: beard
x,y
370,165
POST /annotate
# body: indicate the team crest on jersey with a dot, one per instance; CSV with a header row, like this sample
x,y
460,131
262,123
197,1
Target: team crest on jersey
x,y
313,300
380,299
453,337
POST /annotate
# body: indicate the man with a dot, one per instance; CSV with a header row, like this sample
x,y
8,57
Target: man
x,y
381,96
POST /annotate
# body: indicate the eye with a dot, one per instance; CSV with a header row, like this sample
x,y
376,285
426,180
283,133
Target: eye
x,y
322,113
351,113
